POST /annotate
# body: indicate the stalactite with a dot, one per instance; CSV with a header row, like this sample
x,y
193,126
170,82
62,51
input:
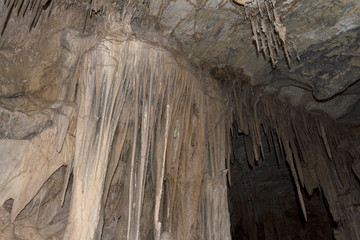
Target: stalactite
x,y
294,174
118,144
159,113
36,7
268,30
323,135
310,143
159,182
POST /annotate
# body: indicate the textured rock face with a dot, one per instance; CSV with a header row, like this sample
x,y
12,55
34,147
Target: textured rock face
x,y
128,117
141,101
216,32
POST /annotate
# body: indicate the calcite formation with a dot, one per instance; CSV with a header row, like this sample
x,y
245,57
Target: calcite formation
x,y
162,120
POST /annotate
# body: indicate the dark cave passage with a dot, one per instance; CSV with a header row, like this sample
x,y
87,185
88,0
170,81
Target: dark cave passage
x,y
263,203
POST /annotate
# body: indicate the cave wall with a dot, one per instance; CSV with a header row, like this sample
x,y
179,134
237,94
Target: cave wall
x,y
125,92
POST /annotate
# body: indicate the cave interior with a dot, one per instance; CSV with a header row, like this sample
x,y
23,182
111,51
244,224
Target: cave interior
x,y
179,119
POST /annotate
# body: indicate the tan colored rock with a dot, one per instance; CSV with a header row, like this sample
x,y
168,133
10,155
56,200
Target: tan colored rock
x,y
27,164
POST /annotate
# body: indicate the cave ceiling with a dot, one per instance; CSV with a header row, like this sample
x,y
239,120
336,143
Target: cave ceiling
x,y
212,33
326,35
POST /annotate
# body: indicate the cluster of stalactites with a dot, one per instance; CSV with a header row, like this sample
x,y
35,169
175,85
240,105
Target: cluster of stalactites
x,y
309,143
21,7
38,9
268,31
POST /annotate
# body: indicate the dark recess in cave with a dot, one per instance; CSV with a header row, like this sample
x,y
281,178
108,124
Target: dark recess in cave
x,y
263,203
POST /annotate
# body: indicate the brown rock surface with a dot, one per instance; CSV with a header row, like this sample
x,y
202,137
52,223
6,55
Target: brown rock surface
x,y
161,120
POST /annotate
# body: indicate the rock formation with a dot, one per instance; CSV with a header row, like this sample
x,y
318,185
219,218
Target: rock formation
x,y
127,119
